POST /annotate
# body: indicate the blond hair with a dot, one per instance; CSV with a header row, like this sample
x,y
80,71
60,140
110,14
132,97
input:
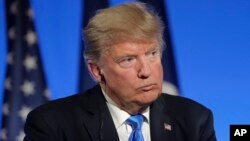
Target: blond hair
x,y
129,22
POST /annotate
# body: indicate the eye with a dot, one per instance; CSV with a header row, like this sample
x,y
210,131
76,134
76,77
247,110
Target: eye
x,y
126,62
128,59
153,54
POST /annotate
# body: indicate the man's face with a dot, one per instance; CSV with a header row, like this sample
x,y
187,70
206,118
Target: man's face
x,y
133,74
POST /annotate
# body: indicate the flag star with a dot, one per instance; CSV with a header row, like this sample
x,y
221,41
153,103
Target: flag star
x,y
47,93
13,7
28,88
6,109
30,37
24,112
30,13
20,136
30,63
7,84
4,134
12,33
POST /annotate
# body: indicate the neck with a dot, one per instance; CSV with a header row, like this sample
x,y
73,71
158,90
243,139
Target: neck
x,y
134,110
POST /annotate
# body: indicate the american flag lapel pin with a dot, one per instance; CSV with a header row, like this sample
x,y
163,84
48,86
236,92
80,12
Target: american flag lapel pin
x,y
167,127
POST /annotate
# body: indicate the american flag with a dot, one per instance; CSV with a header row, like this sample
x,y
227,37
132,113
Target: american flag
x,y
167,127
25,86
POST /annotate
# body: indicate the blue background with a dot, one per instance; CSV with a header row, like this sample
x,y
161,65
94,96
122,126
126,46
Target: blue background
x,y
211,43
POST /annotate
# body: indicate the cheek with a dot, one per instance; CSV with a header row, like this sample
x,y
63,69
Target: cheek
x,y
126,78
118,76
157,70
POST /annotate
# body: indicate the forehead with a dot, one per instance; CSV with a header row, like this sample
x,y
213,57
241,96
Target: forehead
x,y
132,47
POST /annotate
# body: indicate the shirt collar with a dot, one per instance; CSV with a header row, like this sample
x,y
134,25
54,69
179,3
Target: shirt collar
x,y
120,116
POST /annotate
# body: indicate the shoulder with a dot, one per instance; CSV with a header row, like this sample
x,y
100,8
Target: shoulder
x,y
64,114
53,113
191,118
180,106
65,107
58,105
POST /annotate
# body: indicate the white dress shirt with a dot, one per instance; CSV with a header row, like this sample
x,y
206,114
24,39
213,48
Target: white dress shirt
x,y
120,116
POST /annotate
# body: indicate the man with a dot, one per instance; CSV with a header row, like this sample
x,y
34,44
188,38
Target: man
x,y
123,54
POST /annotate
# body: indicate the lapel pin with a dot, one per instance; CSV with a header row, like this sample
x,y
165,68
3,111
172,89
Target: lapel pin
x,y
167,127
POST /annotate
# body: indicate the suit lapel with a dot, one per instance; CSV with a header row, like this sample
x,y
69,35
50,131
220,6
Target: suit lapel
x,y
108,130
97,119
161,125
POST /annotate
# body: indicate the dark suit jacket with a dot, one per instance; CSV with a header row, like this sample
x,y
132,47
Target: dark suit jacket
x,y
85,117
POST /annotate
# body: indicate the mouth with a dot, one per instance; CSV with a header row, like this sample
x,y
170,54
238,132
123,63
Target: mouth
x,y
147,87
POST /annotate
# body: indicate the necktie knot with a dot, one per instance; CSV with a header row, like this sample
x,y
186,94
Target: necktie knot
x,y
136,122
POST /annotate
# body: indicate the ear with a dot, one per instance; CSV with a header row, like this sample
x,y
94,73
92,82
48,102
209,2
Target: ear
x,y
94,70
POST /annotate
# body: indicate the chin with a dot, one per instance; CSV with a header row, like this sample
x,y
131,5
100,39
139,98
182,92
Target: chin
x,y
149,98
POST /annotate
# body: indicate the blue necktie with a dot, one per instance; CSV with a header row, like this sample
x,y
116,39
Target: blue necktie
x,y
136,123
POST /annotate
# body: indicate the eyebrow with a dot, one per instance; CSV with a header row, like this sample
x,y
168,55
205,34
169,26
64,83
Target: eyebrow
x,y
116,59
152,49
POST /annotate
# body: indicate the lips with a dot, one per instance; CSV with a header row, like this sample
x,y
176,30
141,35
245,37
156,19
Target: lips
x,y
147,87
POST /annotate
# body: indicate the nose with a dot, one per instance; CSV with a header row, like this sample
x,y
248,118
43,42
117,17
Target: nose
x,y
144,69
